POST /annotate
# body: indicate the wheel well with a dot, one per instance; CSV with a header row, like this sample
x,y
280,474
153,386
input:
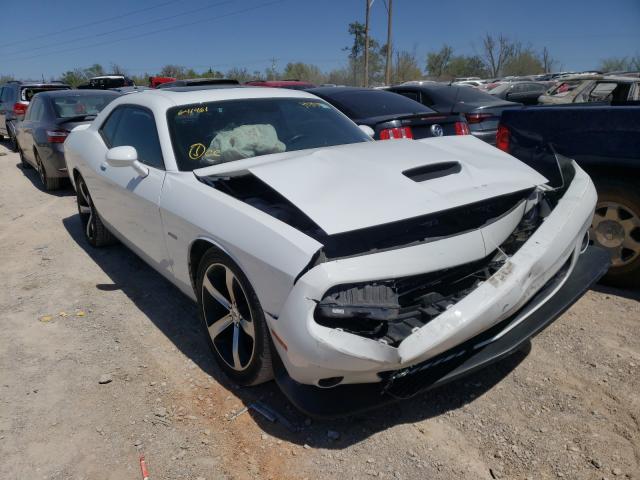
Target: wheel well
x,y
197,251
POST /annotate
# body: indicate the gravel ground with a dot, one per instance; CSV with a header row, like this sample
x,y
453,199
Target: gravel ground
x,y
101,360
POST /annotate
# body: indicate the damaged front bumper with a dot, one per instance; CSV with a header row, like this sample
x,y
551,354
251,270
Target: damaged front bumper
x,y
462,360
314,355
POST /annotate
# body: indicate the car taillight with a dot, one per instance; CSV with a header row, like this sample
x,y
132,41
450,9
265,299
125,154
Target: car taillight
x,y
502,138
20,108
399,132
462,128
477,117
57,136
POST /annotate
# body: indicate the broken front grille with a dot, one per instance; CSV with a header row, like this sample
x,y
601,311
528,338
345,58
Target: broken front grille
x,y
391,310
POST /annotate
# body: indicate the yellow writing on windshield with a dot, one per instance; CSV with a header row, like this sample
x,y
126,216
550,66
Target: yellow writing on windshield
x,y
196,151
192,110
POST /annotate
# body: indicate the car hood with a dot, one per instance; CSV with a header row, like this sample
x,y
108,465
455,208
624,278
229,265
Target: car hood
x,y
351,187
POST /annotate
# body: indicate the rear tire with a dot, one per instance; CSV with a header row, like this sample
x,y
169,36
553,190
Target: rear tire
x,y
233,321
95,231
616,228
49,183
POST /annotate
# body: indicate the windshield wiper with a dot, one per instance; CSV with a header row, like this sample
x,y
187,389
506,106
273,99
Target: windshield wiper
x,y
77,118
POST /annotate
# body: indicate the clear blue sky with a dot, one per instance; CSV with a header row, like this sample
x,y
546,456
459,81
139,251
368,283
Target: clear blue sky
x,y
579,33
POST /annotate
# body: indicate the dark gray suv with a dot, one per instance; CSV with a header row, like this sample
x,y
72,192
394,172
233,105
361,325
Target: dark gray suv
x,y
14,100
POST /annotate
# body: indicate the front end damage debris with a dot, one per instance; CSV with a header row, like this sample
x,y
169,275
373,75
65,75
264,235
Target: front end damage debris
x,y
391,310
475,354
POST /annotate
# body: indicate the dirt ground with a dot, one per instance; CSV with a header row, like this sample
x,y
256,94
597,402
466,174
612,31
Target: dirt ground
x,y
72,316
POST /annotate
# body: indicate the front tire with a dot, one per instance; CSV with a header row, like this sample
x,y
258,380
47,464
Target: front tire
x,y
616,228
95,231
233,321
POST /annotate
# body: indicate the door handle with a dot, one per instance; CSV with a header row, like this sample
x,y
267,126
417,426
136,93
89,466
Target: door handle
x,y
103,167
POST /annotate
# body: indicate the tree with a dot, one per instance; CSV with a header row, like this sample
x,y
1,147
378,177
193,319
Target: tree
x,y
117,69
547,61
176,71
356,29
339,76
6,78
406,67
94,70
525,62
437,61
303,71
271,72
497,52
74,77
465,66
240,74
612,64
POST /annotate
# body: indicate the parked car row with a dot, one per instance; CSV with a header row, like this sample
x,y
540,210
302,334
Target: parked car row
x,y
14,101
354,271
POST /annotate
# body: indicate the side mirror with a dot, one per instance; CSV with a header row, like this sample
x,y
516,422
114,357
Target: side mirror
x,y
126,156
367,129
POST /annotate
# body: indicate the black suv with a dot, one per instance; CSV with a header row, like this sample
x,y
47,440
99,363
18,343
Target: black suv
x,y
14,100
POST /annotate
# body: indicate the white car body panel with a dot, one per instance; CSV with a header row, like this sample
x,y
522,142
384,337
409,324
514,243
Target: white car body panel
x,y
555,241
367,177
342,189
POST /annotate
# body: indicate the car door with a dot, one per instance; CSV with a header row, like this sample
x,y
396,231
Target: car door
x,y
129,201
25,129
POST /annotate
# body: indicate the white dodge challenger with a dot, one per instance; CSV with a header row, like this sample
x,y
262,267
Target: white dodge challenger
x,y
354,271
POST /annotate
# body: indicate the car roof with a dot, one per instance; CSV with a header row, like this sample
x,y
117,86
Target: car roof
x,y
77,93
176,96
115,76
331,91
275,83
35,83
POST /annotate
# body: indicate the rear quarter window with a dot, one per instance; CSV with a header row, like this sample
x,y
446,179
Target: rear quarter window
x,y
108,128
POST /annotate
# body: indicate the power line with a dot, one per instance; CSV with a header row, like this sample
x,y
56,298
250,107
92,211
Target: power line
x,y
97,22
121,29
122,39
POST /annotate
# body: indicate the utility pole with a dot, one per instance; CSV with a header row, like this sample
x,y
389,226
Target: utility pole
x,y
366,43
387,69
272,73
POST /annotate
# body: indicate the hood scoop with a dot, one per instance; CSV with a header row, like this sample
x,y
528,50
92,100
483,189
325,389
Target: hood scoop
x,y
435,170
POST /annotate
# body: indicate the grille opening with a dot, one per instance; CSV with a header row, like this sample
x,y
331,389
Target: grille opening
x,y
391,310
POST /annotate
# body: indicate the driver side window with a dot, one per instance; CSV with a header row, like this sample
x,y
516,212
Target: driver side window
x,y
134,126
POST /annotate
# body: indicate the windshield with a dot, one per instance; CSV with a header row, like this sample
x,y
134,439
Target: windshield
x,y
75,106
500,88
211,133
375,103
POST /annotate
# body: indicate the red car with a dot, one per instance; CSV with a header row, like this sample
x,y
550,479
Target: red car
x,y
293,84
155,81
